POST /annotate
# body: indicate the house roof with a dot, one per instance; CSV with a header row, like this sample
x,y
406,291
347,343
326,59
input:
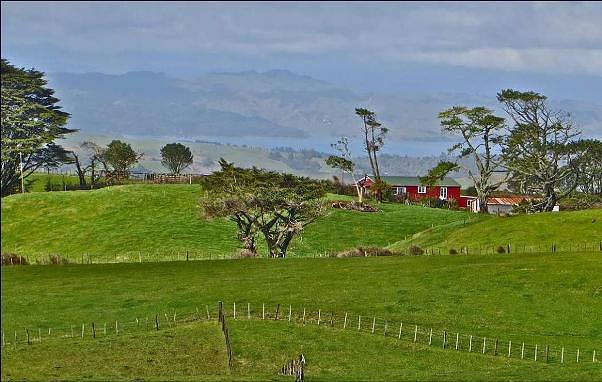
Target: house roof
x,y
507,200
415,181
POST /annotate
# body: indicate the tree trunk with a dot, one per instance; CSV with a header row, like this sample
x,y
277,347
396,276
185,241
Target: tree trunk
x,y
80,173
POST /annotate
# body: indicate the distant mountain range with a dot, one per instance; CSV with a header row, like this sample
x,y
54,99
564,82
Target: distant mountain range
x,y
272,104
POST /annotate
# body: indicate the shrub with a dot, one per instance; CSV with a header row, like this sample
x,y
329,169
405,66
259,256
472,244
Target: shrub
x,y
415,250
363,252
500,249
246,254
53,260
13,259
453,251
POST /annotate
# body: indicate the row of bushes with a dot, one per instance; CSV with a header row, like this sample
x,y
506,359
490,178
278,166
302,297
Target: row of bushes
x,y
14,259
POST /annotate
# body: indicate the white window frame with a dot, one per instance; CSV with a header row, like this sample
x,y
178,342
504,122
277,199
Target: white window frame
x,y
399,190
422,189
441,196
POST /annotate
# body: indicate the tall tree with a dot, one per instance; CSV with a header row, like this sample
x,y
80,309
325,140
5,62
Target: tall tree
x,y
374,139
120,156
176,157
537,148
480,133
345,163
279,206
589,165
30,122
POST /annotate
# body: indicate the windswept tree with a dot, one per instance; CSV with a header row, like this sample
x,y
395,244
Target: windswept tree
x,y
480,136
374,139
589,165
30,122
279,206
537,149
345,163
176,157
121,157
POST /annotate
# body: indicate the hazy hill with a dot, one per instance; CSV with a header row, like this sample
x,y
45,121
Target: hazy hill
x,y
276,103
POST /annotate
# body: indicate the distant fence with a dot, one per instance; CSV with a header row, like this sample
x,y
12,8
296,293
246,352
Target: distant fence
x,y
399,330
188,255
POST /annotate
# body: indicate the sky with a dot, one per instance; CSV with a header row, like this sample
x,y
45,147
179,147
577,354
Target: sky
x,y
440,46
477,48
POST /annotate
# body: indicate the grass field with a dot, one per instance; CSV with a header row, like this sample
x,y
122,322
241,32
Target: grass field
x,y
570,231
535,298
160,221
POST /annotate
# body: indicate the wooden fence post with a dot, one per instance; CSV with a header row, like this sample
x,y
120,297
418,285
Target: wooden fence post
x,y
385,329
207,308
415,333
431,337
562,355
495,347
248,310
484,344
535,352
116,328
457,340
263,311
39,335
444,339
28,341
319,316
547,352
577,355
522,351
470,344
345,322
331,319
359,322
105,329
400,327
157,321
82,330
594,357
303,315
277,311
373,324
234,311
509,348
290,312
93,330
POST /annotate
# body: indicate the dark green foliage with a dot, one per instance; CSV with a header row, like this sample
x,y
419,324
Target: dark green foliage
x,y
31,122
13,259
453,251
537,152
176,157
500,249
415,250
440,171
278,206
120,156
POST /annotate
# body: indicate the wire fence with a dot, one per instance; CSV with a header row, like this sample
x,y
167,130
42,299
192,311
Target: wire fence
x,y
422,334
193,255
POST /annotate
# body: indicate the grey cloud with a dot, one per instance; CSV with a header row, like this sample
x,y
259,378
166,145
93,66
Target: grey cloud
x,y
546,37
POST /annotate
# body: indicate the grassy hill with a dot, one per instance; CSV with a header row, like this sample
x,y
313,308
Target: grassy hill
x,y
570,231
162,222
536,298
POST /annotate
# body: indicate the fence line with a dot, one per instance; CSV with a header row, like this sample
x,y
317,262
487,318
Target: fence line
x,y
408,331
189,255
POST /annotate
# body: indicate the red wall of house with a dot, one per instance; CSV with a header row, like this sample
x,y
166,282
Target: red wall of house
x,y
453,192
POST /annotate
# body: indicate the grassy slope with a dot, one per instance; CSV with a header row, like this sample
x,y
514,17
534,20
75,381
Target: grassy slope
x,y
545,299
196,352
569,230
162,220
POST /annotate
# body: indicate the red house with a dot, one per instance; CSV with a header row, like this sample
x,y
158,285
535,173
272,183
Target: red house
x,y
447,189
